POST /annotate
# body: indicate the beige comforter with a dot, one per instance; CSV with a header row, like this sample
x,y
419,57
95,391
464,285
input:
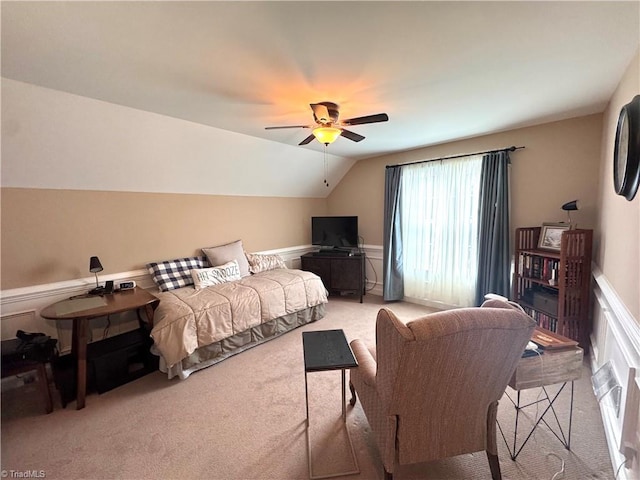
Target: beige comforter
x,y
187,319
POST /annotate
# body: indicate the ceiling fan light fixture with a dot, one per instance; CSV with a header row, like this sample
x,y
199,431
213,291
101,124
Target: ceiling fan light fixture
x,y
326,135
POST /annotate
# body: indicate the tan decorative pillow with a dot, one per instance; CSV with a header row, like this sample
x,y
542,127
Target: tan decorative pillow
x,y
225,253
206,277
259,262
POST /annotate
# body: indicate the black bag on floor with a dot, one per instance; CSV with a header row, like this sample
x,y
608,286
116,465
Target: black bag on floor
x,y
36,347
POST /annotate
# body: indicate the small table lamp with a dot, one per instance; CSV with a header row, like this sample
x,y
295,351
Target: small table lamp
x,y
569,207
94,267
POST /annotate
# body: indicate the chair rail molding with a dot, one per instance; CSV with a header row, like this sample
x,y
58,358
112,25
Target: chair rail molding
x,y
33,299
36,297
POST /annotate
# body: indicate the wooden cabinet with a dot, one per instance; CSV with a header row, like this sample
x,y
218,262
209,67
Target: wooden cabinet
x,y
554,287
339,273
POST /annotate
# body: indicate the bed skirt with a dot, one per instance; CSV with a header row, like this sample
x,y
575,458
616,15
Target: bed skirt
x,y
216,352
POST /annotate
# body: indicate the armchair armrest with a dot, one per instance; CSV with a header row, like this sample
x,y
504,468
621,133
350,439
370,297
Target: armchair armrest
x,y
366,363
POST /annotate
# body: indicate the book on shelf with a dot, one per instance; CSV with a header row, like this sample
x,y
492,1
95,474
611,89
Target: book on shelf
x,y
533,271
539,268
544,320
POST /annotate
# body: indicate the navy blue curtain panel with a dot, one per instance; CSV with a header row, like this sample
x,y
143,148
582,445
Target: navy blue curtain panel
x,y
393,278
494,263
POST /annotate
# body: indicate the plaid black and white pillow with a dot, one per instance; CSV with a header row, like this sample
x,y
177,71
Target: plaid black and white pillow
x,y
176,273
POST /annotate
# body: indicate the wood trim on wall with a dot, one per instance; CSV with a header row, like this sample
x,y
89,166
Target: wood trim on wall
x,y
32,299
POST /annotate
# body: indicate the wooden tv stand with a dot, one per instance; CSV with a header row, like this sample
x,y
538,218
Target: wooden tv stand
x,y
339,273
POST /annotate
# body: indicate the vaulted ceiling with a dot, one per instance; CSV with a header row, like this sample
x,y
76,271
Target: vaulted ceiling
x,y
441,70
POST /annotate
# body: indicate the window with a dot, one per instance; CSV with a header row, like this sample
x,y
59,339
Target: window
x,y
440,208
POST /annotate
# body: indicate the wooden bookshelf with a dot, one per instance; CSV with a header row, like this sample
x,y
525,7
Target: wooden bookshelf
x,y
554,287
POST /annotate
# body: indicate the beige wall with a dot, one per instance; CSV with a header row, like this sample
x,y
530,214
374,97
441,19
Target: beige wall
x,y
49,235
560,163
618,235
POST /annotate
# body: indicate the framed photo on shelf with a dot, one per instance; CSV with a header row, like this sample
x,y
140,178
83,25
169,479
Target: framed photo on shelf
x,y
551,236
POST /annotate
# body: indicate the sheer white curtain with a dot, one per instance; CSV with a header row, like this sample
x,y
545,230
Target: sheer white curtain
x,y
440,202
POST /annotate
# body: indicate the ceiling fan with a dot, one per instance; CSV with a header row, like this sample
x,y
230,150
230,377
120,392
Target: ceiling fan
x,y
328,128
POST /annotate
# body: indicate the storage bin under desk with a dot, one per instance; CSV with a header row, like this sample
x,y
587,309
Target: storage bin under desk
x,y
121,359
550,368
112,362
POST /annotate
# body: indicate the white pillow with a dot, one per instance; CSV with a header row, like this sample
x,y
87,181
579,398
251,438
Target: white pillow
x,y
206,277
260,262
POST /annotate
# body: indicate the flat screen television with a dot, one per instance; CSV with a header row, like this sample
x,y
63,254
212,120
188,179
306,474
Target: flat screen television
x,y
339,233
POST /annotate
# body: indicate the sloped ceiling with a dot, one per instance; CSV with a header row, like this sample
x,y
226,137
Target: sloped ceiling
x,y
441,70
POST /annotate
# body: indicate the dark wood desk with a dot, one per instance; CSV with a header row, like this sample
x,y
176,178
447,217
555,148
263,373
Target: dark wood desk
x,y
82,309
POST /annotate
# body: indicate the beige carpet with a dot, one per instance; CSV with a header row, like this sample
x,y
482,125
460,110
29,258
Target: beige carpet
x,y
244,419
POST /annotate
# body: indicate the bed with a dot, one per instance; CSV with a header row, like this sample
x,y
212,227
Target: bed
x,y
195,328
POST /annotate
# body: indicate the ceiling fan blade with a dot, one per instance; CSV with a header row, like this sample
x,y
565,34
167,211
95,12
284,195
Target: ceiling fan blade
x,y
378,117
351,135
287,126
309,139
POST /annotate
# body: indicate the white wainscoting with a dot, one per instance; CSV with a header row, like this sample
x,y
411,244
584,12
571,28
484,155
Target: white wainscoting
x,y
21,307
615,338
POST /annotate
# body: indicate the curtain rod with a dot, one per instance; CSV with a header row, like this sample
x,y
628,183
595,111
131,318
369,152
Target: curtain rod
x,y
512,148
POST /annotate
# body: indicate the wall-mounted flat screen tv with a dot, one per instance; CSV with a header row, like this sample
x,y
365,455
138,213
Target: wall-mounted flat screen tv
x,y
334,232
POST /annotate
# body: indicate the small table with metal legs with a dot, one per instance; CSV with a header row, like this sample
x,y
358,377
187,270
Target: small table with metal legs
x,y
551,368
328,350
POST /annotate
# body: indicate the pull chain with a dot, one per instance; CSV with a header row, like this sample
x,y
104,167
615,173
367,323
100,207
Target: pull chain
x,y
326,166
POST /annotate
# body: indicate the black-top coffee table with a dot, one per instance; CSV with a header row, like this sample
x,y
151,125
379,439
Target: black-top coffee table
x,y
328,350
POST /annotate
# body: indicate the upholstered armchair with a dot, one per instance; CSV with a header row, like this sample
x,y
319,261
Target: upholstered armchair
x,y
430,387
